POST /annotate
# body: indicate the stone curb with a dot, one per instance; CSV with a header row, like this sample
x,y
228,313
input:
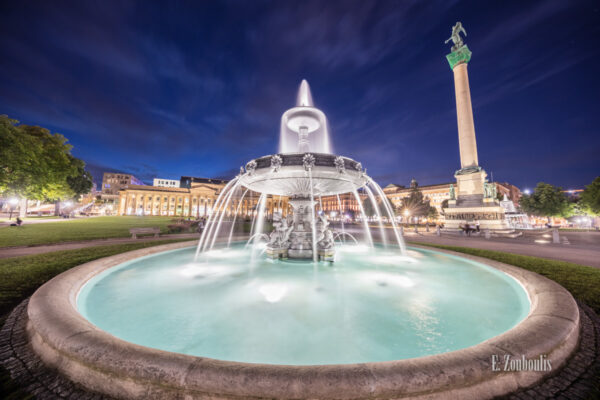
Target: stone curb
x,y
65,340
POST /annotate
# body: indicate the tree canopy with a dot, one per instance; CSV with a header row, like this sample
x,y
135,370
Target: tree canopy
x,y
417,205
368,208
371,211
546,201
590,198
37,164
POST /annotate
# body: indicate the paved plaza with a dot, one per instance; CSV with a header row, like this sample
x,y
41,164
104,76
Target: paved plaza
x,y
576,247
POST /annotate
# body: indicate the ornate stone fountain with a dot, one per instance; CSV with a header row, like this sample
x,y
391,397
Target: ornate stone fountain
x,y
303,176
303,171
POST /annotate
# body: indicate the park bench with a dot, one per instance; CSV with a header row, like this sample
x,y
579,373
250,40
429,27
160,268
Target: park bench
x,y
144,231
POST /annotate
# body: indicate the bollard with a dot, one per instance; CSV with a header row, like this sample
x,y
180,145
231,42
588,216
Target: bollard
x,y
438,231
555,236
427,228
487,233
416,230
402,230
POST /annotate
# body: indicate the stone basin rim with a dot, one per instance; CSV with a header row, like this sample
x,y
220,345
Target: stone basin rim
x,y
67,341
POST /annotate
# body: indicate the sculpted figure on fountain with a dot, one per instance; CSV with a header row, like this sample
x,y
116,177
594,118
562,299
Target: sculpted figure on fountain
x,y
339,164
324,236
276,162
279,238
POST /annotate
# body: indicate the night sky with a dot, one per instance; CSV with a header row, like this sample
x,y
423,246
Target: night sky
x,y
198,88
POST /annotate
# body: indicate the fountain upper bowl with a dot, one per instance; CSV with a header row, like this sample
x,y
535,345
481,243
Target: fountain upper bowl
x,y
308,117
292,177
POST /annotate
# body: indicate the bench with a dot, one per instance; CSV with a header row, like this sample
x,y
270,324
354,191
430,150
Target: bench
x,y
144,231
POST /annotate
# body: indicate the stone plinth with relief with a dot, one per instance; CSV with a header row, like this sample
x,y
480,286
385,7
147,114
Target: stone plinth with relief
x,y
474,199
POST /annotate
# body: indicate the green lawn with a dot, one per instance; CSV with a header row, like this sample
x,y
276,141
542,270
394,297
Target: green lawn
x,y
581,280
21,276
77,229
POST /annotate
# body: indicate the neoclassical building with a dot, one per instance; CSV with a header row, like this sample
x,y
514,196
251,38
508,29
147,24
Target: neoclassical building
x,y
196,201
199,198
436,194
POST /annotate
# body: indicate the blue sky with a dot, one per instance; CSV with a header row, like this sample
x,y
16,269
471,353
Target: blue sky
x,y
198,88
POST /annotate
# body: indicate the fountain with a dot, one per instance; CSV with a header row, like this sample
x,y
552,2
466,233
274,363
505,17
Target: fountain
x,y
302,173
274,317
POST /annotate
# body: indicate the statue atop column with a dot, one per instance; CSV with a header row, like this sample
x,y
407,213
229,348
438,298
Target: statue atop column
x,y
455,37
460,53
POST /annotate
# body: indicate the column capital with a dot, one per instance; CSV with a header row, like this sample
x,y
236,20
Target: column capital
x,y
460,56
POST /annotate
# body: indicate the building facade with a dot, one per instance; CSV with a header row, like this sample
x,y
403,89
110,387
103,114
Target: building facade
x,y
511,191
345,204
160,182
195,202
436,194
114,182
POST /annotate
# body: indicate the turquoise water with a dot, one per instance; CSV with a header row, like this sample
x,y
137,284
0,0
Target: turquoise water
x,y
367,306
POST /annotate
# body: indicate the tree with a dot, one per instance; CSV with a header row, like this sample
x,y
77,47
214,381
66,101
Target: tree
x,y
590,198
432,213
415,204
81,182
444,205
36,164
383,209
546,201
369,208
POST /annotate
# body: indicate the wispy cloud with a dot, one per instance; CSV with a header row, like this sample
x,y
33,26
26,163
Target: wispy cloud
x,y
198,89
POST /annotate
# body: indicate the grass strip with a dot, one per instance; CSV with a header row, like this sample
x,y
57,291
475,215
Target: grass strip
x,y
21,276
78,229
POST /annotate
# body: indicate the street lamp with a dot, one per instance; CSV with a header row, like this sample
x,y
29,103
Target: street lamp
x,y
407,215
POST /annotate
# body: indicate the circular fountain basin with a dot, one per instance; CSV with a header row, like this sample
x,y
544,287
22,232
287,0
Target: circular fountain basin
x,y
291,179
369,306
152,324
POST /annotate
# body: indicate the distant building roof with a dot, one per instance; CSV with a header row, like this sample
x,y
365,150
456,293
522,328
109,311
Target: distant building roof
x,y
393,186
400,188
186,181
156,188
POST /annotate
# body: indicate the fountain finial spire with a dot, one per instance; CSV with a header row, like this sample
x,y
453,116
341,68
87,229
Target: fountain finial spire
x,y
304,98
